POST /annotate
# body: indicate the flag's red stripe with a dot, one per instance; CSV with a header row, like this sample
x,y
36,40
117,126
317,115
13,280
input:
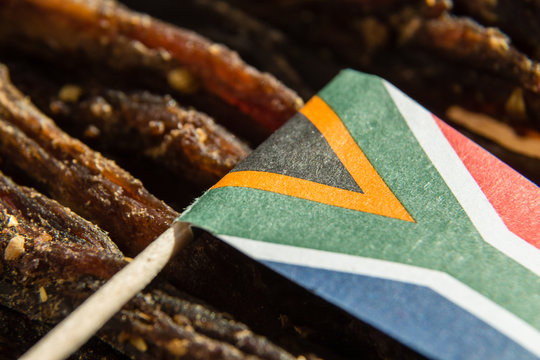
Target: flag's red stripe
x,y
516,199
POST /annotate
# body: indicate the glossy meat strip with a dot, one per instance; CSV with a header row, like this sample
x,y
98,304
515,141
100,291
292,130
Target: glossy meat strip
x,y
77,176
187,142
109,32
495,78
456,61
504,14
465,40
196,333
61,222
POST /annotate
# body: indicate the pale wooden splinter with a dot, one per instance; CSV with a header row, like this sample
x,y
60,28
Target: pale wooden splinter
x,y
90,316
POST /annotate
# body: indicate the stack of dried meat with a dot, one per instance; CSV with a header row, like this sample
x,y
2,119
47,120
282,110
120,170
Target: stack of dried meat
x,y
82,76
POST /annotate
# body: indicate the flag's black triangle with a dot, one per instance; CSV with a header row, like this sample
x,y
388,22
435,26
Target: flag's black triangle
x,y
298,149
314,157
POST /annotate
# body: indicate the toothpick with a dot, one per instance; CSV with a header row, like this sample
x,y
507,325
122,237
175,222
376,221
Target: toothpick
x,y
89,317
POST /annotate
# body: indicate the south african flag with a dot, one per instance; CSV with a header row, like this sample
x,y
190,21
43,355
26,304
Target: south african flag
x,y
377,206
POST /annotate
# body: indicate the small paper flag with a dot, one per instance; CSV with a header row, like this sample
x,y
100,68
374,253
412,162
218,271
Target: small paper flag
x,y
374,204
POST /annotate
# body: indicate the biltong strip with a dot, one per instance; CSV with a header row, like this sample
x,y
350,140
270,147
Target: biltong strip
x,y
467,41
381,38
520,19
38,209
261,45
77,176
107,31
187,142
154,317
44,244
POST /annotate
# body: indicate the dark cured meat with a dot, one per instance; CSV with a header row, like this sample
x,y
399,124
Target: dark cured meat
x,y
39,250
195,333
60,221
511,89
42,84
385,36
109,32
76,175
520,19
466,41
187,142
260,44
49,268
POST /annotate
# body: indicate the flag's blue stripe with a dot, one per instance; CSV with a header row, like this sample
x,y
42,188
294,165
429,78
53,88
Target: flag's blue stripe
x,y
415,315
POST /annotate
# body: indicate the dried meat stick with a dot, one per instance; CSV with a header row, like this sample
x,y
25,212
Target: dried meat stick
x,y
466,41
490,53
63,222
410,43
77,176
187,142
90,316
416,24
106,31
30,214
504,14
291,63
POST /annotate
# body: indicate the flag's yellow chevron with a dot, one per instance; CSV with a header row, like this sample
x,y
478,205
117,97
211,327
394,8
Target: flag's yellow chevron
x,y
376,198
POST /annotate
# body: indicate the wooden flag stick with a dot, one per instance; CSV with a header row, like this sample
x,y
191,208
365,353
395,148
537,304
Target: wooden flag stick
x,y
91,315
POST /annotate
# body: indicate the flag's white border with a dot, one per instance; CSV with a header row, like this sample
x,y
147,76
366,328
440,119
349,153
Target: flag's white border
x,y
460,294
462,184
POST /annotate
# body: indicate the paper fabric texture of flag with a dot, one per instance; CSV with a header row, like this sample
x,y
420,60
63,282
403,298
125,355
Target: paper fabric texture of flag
x,y
372,203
